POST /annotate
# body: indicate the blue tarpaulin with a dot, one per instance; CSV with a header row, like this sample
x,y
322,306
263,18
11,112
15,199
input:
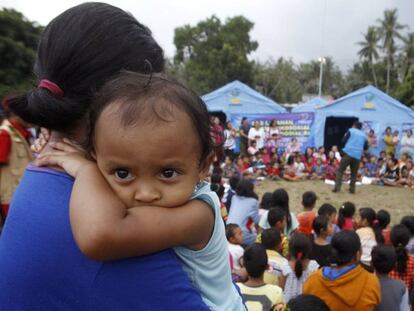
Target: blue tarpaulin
x,y
311,105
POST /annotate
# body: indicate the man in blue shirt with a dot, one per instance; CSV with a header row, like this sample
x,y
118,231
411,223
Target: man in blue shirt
x,y
355,142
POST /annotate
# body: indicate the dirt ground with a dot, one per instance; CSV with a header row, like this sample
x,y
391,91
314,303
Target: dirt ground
x,y
398,201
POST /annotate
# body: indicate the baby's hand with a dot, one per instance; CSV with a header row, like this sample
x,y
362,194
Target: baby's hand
x,y
65,155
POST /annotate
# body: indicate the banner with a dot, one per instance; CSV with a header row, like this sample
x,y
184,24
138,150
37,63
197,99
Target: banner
x,y
291,125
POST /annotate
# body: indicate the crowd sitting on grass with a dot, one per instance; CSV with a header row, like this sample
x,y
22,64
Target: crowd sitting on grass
x,y
317,164
338,258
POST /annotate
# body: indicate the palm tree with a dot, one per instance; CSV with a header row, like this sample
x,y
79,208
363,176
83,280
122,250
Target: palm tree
x,y
369,49
408,53
389,30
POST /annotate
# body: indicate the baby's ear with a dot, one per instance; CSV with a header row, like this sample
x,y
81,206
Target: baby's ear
x,y
205,166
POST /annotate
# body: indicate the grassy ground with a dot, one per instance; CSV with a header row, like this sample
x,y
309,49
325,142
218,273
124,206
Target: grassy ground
x,y
398,201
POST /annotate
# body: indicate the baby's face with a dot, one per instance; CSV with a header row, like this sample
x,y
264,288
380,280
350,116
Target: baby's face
x,y
150,163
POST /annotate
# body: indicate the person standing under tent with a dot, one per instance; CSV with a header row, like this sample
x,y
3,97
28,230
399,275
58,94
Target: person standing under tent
x,y
407,143
257,133
244,135
355,142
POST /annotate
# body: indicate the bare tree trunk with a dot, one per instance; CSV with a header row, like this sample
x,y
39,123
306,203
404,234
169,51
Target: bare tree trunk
x,y
374,75
388,72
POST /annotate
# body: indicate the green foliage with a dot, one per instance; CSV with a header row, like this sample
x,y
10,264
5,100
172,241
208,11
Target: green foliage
x,y
18,41
405,92
212,54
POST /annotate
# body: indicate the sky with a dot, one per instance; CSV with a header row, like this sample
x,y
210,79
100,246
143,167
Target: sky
x,y
302,30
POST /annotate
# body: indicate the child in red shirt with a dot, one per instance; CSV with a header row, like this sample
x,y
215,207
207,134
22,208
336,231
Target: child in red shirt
x,y
307,217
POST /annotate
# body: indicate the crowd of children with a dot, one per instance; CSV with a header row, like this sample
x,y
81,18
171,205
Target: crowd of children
x,y
341,259
317,164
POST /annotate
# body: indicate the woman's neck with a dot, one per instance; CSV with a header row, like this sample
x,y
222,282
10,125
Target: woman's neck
x,y
255,281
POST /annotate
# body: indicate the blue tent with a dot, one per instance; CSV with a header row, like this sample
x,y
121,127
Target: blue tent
x,y
236,98
375,109
311,105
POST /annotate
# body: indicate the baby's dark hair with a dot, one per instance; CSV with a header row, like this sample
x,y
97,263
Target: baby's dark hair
x,y
347,210
408,221
400,236
345,244
218,189
255,260
305,302
146,98
99,41
281,199
267,201
245,188
320,223
275,215
370,216
384,218
230,228
233,181
384,258
309,199
271,238
300,247
327,209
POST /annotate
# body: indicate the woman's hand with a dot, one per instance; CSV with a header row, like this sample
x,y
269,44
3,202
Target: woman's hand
x,y
66,155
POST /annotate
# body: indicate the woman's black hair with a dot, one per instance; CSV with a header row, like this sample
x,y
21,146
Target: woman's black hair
x,y
345,245
327,209
384,218
271,238
305,302
408,221
347,210
215,178
80,50
400,236
138,101
245,188
280,198
384,258
267,201
320,223
370,216
299,247
255,260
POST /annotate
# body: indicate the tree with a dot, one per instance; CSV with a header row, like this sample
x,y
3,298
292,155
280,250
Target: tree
x,y
390,30
212,54
405,92
369,49
18,42
278,81
408,53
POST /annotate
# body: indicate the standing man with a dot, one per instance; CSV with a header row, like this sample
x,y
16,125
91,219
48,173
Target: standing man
x,y
15,155
244,136
355,142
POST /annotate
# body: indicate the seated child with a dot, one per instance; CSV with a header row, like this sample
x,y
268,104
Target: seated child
x,y
319,169
149,199
252,150
408,222
321,248
330,170
306,217
384,219
258,295
329,211
229,168
276,217
346,216
299,267
219,190
306,302
233,182
394,294
273,170
272,242
234,237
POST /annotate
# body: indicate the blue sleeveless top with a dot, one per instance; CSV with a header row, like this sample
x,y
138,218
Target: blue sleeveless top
x,y
41,267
